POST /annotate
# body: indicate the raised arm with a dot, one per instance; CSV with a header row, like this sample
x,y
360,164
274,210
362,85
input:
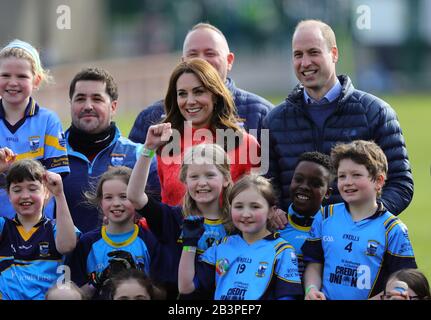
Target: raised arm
x,y
156,136
65,239
193,228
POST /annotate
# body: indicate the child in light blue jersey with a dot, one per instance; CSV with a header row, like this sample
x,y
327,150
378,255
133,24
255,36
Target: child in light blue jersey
x,y
309,187
31,245
354,246
27,129
119,245
255,264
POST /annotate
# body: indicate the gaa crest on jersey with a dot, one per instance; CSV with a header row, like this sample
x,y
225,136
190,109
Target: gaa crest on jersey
x,y
222,266
261,269
372,247
44,249
34,142
117,159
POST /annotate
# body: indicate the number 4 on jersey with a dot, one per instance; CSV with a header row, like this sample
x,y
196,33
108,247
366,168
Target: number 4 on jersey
x,y
349,247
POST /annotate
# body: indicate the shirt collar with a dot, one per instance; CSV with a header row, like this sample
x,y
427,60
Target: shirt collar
x,y
18,223
299,219
329,97
31,109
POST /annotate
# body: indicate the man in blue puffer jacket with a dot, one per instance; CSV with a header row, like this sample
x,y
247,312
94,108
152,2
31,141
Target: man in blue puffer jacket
x,y
207,42
325,109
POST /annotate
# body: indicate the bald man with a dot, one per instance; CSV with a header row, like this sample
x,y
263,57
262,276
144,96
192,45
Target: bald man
x,y
325,109
207,42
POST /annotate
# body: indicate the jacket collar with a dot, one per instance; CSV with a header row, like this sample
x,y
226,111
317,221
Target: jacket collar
x,y
297,95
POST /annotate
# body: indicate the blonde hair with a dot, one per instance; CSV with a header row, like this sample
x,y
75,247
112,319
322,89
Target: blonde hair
x,y
207,154
23,50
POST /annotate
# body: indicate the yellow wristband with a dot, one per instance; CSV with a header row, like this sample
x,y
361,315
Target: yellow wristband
x,y
189,249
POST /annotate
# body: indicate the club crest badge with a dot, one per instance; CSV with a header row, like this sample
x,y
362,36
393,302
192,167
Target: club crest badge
x,y
117,159
44,249
34,143
261,269
372,247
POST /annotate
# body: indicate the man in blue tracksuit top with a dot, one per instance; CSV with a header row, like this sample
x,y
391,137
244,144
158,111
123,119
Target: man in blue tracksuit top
x,y
325,109
94,143
207,42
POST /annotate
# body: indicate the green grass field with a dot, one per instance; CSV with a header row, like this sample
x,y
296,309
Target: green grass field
x,y
414,113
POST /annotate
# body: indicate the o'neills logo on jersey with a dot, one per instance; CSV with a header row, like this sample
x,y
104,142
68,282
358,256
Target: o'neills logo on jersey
x,y
44,249
117,159
34,142
222,266
261,269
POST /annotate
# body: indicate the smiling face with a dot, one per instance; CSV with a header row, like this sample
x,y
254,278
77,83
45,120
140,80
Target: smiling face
x,y
308,187
28,198
250,212
115,205
196,103
91,106
16,82
355,184
205,183
314,63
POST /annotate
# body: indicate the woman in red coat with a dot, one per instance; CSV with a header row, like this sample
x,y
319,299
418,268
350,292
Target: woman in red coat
x,y
201,110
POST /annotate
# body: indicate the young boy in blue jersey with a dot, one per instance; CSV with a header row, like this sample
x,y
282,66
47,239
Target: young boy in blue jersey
x,y
254,264
31,245
121,244
354,246
27,129
309,187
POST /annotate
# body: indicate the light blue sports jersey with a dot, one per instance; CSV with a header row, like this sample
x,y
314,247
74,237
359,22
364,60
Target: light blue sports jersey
x,y
98,258
265,269
357,256
213,234
29,261
38,136
296,235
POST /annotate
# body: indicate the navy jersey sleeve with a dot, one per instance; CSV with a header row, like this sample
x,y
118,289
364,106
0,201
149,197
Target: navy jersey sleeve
x,y
77,261
205,273
2,222
312,250
163,220
164,258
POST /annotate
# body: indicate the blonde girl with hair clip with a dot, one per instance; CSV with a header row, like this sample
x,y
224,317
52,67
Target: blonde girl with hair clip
x,y
28,130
